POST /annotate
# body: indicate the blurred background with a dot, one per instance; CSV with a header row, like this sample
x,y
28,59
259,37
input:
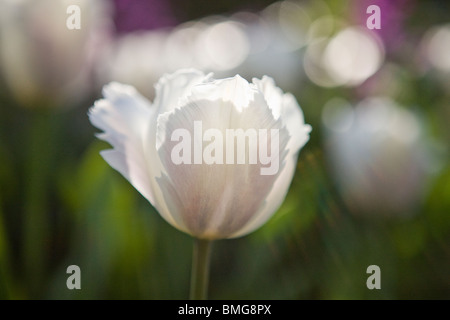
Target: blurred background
x,y
372,185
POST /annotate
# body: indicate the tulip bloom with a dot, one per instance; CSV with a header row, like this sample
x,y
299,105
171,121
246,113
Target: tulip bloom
x,y
206,198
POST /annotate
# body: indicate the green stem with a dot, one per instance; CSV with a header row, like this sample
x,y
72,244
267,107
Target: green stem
x,y
39,164
200,269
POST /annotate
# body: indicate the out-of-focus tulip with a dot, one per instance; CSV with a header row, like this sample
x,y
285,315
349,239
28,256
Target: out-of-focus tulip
x,y
377,154
132,16
349,58
136,59
436,44
270,40
43,59
214,157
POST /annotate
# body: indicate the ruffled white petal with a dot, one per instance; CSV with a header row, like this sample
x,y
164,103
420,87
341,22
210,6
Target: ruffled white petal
x,y
216,200
172,88
272,94
274,198
124,116
285,105
292,116
236,90
129,124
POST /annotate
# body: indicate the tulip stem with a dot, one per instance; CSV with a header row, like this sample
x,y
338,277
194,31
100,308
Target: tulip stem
x,y
200,269
38,179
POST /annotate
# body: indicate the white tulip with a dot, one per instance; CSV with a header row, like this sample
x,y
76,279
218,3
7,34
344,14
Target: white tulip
x,y
206,199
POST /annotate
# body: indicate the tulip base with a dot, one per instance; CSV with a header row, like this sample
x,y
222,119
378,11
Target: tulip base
x,y
200,269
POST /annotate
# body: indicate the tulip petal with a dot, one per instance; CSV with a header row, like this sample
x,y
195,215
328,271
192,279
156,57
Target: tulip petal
x,y
272,94
292,115
172,88
235,89
274,198
285,105
216,200
124,116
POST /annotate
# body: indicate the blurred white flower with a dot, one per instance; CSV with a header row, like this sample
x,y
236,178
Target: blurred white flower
x,y
135,58
143,57
437,46
349,58
377,154
270,41
42,60
271,46
209,201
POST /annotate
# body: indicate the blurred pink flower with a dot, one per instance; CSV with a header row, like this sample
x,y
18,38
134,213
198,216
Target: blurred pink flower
x,y
134,15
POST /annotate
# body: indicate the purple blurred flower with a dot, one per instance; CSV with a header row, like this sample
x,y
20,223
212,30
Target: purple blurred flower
x,y
133,15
